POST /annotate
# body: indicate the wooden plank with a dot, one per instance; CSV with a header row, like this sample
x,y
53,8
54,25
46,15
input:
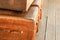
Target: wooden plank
x,y
51,28
16,4
57,11
57,25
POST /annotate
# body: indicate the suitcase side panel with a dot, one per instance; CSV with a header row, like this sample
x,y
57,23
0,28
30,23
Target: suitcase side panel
x,y
27,31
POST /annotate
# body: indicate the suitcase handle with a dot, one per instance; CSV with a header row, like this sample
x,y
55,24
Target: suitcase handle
x,y
11,31
16,31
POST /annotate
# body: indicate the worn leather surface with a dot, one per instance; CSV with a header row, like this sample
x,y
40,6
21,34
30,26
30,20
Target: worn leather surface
x,y
18,5
16,25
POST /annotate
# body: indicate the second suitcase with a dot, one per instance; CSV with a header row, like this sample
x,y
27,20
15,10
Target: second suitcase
x,y
18,5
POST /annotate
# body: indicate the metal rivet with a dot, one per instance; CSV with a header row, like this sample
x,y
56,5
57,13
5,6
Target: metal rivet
x,y
21,32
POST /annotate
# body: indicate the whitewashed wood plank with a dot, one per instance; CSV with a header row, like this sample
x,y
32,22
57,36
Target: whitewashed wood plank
x,y
57,19
50,33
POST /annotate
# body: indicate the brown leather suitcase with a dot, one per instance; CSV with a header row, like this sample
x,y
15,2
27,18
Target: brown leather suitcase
x,y
18,5
19,25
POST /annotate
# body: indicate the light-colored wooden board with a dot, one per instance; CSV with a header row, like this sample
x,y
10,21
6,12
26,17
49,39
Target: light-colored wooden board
x,y
51,28
57,10
53,22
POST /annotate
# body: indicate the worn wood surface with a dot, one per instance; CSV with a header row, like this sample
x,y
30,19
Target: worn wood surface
x,y
50,30
18,5
57,12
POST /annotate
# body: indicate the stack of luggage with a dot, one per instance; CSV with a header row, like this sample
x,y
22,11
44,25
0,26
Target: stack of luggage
x,y
19,19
